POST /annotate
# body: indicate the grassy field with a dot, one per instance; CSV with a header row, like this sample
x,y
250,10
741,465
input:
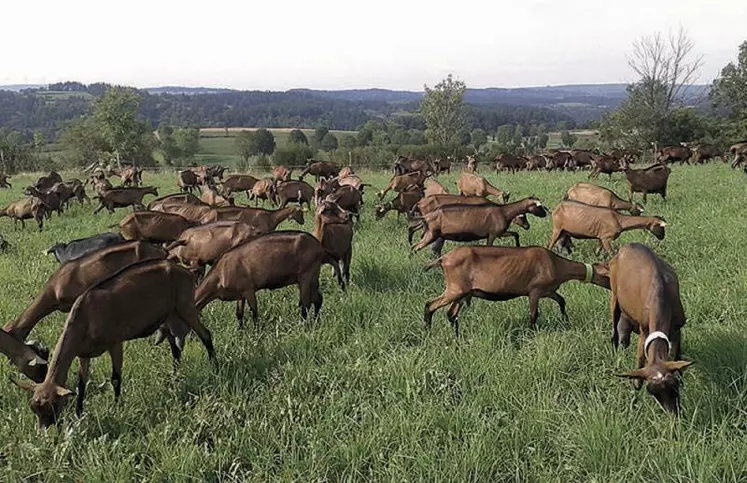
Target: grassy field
x,y
366,394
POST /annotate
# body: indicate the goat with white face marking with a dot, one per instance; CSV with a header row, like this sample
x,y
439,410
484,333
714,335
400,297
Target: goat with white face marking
x,y
646,299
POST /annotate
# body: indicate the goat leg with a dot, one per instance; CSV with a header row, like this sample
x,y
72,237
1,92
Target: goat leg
x,y
453,315
116,354
84,364
533,308
240,313
561,303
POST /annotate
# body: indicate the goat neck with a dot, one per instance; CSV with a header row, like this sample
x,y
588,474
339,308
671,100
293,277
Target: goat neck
x,y
629,222
278,216
512,210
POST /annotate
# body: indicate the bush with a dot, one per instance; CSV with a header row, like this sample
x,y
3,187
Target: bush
x,y
262,162
293,154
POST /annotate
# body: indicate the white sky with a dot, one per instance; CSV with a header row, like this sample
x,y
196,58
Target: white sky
x,y
331,44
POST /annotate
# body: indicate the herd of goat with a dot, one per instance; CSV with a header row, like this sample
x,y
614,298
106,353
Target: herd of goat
x,y
163,249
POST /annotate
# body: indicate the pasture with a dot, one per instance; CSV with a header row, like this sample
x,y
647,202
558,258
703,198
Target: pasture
x,y
364,393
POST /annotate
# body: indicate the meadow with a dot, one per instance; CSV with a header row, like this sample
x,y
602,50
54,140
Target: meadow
x,y
366,394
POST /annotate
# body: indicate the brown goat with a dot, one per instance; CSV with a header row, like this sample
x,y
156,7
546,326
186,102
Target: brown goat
x,y
31,363
335,233
671,154
404,182
646,299
211,197
78,190
571,219
46,182
5,181
594,195
239,182
265,220
203,245
174,199
648,180
476,222
347,198
282,173
320,169
153,226
123,197
50,200
264,189
472,185
345,172
739,151
404,202
75,277
535,162
104,317
187,181
298,191
25,209
606,165
433,187
501,273
471,164
270,261
509,162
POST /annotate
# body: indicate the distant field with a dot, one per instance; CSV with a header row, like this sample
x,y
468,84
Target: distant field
x,y
366,394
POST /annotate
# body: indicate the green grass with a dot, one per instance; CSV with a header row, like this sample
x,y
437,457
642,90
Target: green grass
x,y
367,394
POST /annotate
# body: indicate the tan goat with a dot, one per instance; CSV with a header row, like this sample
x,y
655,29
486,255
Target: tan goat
x,y
594,195
470,184
335,233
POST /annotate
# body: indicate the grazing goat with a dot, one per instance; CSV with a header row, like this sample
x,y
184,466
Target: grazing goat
x,y
50,200
175,199
264,189
239,182
123,197
472,185
594,195
270,261
153,226
673,154
75,249
509,162
31,363
606,165
404,165
130,304
583,158
75,277
282,173
645,299
648,180
501,273
203,245
320,169
571,219
404,182
211,197
476,222
535,162
335,233
298,191
347,198
187,181
25,209
404,202
265,220
77,189
4,181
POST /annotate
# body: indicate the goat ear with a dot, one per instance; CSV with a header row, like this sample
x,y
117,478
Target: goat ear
x,y
637,374
677,365
27,385
63,392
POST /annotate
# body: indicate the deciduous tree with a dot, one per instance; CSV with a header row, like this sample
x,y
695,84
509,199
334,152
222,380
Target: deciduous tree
x,y
443,110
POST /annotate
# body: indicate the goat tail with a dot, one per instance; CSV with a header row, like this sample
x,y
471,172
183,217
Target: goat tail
x,y
172,245
435,263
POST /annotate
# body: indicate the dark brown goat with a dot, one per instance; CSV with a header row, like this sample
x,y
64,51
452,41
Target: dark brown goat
x,y
606,165
187,181
75,277
671,154
335,233
123,197
153,226
648,180
594,195
646,299
404,202
320,169
571,219
265,220
104,317
30,362
298,191
509,162
347,198
50,200
239,182
46,182
476,222
25,209
270,261
5,181
501,273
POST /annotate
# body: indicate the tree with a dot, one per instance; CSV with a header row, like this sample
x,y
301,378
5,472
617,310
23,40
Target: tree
x,y
479,137
505,134
297,136
329,142
265,141
729,90
245,145
320,132
188,142
542,140
348,141
418,138
116,114
443,110
254,143
293,154
568,139
167,144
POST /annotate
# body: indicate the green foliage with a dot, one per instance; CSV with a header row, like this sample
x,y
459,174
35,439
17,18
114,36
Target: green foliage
x,y
568,139
348,141
262,162
329,142
188,142
254,143
297,136
542,140
320,132
729,91
293,154
444,113
417,137
15,152
478,138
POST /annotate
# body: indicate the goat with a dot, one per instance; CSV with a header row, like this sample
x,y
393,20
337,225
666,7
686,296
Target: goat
x,y
442,165
239,182
270,261
123,197
282,173
265,220
31,363
536,162
648,180
502,273
4,181
594,195
75,249
46,182
671,154
476,222
264,189
298,191
607,165
509,162
174,199
75,277
645,298
335,233
77,189
203,245
64,193
571,219
345,172
211,197
471,164
51,201
153,226
347,198
404,202
433,187
472,185
25,209
130,304
404,182
320,169
739,151
187,181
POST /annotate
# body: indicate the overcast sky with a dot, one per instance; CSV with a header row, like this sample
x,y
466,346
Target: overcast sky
x,y
330,44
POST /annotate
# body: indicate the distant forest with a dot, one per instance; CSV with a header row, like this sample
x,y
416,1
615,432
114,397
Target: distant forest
x,y
48,109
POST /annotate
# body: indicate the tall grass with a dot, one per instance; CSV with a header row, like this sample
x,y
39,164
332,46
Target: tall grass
x,y
366,394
